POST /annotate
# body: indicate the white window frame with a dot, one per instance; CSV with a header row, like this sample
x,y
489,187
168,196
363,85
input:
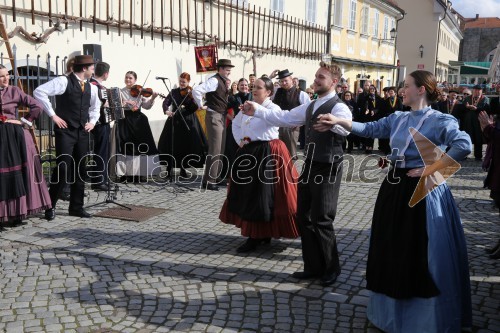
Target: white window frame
x,y
352,14
311,10
365,19
386,28
278,6
376,22
337,13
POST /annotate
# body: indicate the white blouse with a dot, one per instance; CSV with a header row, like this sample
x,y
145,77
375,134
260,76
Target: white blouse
x,y
255,128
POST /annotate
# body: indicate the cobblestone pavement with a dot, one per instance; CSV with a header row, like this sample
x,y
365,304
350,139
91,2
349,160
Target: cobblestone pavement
x,y
179,271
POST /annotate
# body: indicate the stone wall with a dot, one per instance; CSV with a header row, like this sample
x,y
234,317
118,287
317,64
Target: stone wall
x,y
477,43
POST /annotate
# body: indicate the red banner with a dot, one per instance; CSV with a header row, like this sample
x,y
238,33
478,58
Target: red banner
x,y
206,58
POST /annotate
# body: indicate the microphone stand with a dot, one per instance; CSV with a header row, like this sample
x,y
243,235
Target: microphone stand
x,y
178,111
111,197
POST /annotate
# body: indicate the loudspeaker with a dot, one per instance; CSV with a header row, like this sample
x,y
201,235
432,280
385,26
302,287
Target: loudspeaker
x,y
94,50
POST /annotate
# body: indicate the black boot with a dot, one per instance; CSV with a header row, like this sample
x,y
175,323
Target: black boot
x,y
493,249
249,245
496,254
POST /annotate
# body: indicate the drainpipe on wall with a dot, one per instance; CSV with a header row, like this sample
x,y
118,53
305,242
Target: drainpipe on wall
x,y
329,27
394,76
447,5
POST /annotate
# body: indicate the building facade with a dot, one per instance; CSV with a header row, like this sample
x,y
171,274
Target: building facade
x,y
429,37
361,40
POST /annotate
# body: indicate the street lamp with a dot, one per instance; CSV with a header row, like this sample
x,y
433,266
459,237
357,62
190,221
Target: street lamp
x,y
393,33
421,49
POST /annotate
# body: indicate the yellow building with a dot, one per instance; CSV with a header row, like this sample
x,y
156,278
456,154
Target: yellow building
x,y
363,35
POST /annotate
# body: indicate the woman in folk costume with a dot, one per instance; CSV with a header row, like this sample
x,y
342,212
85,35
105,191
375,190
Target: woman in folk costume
x,y
262,197
135,135
417,267
182,142
23,190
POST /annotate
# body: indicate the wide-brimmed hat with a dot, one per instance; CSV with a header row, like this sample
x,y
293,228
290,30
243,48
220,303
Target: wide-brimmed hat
x,y
84,60
283,74
224,63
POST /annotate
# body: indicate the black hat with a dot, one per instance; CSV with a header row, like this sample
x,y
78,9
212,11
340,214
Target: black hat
x,y
477,86
84,60
224,63
283,74
454,91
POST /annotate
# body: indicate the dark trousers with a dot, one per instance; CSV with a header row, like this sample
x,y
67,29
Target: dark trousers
x,y
316,210
99,172
478,150
72,144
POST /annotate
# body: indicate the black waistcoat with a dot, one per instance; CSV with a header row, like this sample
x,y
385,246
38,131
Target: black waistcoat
x,y
287,99
325,147
73,105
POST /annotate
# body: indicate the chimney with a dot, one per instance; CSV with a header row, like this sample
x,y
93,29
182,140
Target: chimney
x,y
477,16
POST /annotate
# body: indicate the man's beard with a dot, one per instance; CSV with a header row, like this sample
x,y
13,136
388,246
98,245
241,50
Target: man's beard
x,y
320,90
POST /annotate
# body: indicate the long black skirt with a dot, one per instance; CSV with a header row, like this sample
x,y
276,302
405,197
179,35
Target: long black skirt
x,y
187,146
13,162
252,176
398,260
135,135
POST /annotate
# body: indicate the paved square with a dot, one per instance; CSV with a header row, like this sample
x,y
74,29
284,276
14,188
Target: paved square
x,y
180,272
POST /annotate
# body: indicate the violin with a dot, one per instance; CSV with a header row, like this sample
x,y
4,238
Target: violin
x,y
186,91
137,90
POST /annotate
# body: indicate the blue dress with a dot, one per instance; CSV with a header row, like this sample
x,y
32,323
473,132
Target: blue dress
x,y
438,300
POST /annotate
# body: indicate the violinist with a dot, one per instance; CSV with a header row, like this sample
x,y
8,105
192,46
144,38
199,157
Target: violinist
x,y
182,144
134,133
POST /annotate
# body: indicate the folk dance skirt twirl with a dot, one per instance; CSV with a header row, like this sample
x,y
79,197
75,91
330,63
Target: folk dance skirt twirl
x,y
417,265
262,200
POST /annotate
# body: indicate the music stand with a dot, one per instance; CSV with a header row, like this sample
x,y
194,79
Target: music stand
x,y
116,109
178,111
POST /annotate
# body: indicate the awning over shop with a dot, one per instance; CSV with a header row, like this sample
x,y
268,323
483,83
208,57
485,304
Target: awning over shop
x,y
362,63
472,67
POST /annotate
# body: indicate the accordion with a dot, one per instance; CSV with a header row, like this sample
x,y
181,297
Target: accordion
x,y
114,110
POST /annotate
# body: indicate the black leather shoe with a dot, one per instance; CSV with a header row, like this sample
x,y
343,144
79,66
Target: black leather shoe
x,y
50,214
64,196
491,250
249,245
304,275
79,213
265,240
18,222
329,279
99,187
210,187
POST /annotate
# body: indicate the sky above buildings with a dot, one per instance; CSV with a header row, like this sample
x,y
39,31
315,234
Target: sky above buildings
x,y
485,8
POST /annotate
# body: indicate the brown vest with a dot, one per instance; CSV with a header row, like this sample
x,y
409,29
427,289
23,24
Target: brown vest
x,y
217,100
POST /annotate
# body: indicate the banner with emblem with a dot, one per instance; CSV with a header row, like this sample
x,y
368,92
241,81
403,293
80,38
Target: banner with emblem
x,y
206,58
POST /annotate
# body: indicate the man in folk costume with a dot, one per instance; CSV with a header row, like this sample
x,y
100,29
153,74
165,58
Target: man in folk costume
x,y
287,97
101,131
391,104
216,93
76,113
474,104
319,183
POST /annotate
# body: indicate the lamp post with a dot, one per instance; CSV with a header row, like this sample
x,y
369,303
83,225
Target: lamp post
x,y
421,49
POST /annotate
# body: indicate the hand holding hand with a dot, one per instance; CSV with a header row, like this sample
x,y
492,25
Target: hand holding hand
x,y
325,122
249,108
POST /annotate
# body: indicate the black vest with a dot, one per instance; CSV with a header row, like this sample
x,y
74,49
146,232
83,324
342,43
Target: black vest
x,y
217,100
325,147
287,99
73,105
